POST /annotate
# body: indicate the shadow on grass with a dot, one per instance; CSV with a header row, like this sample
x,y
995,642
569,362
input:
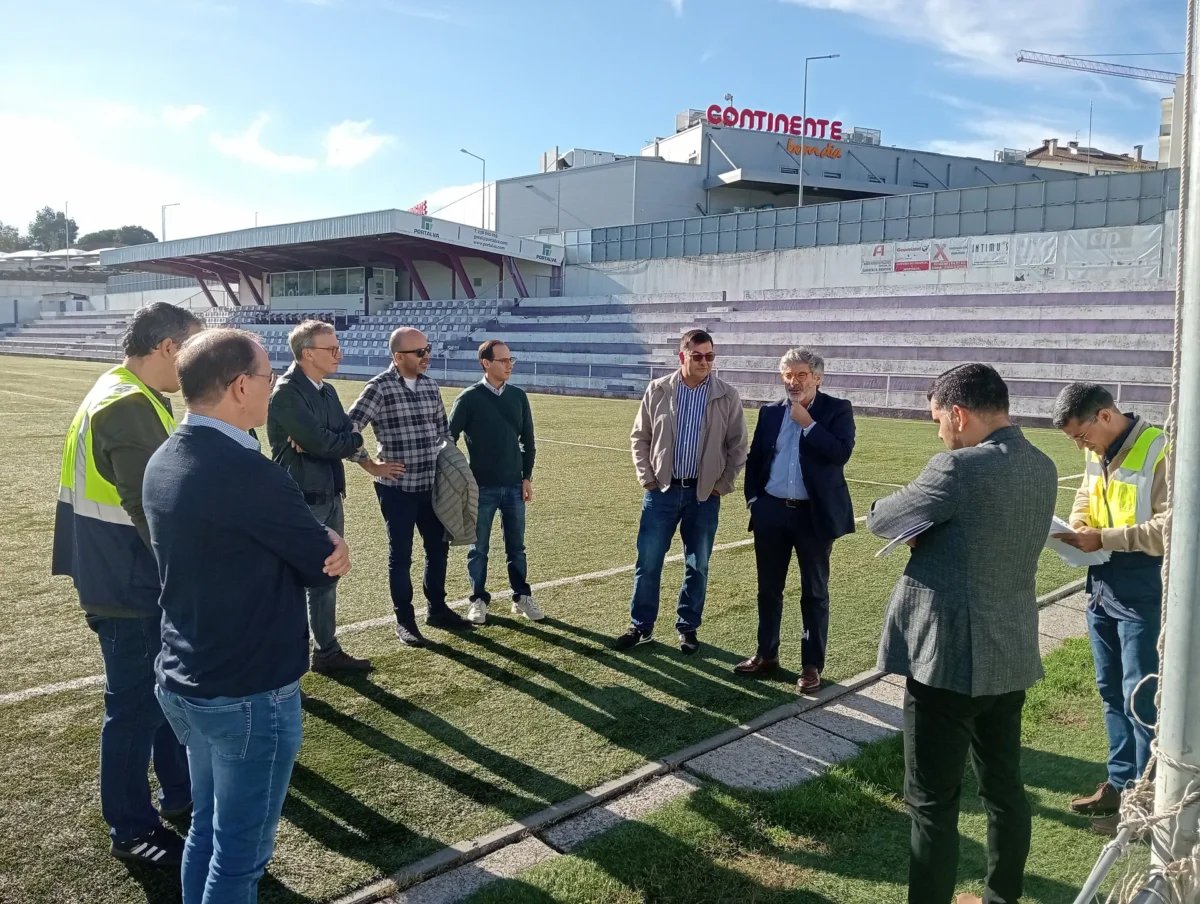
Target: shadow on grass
x,y
160,886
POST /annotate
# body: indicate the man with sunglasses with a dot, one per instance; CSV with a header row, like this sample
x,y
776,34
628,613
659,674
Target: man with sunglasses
x,y
1121,507
405,409
689,443
309,435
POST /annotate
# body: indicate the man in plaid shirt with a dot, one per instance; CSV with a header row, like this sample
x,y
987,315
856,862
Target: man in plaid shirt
x,y
404,407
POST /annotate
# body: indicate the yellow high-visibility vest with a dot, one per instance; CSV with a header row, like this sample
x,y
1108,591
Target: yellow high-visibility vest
x,y
80,484
1125,500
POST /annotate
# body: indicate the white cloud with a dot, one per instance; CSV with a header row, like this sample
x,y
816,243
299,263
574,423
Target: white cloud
x,y
677,6
248,148
985,33
985,130
458,203
180,117
351,143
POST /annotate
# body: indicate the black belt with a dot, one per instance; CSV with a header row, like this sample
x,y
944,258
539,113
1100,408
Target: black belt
x,y
684,482
792,503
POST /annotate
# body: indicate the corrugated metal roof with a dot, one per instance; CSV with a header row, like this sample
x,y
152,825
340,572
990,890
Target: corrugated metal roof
x,y
360,225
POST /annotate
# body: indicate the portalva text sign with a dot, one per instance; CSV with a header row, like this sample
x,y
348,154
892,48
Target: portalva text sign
x,y
464,236
762,121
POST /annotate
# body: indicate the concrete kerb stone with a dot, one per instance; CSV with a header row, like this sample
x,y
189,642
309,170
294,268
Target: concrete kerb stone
x,y
468,851
569,834
781,756
457,884
1062,622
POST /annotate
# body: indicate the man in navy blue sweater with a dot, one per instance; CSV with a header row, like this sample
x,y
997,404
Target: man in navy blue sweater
x,y
236,547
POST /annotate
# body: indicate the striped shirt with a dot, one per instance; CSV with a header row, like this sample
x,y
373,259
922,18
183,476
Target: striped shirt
x,y
410,426
239,436
689,408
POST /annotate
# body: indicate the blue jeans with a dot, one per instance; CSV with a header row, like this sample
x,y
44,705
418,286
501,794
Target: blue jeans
x,y
662,513
508,501
134,730
241,750
1125,652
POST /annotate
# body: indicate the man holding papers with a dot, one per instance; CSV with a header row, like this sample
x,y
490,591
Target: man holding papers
x,y
1121,508
962,627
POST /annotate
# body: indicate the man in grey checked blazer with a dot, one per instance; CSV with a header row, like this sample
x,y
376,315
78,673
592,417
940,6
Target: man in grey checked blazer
x,y
962,627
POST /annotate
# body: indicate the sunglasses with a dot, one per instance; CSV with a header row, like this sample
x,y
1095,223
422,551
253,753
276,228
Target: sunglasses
x,y
419,352
710,357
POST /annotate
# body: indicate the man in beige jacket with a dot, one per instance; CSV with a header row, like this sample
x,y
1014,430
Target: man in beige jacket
x,y
1122,508
689,443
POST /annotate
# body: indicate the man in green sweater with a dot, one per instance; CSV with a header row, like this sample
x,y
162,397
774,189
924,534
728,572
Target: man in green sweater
x,y
496,420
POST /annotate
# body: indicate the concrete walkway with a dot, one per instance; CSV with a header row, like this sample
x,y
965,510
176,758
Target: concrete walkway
x,y
786,752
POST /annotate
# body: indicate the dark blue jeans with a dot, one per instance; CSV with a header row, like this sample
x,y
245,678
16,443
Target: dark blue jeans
x,y
1125,651
134,730
507,500
402,511
241,751
662,513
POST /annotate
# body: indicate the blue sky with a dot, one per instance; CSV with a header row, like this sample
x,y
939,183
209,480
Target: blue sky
x,y
294,109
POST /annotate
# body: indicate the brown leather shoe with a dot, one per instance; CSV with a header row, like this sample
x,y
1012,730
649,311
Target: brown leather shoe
x,y
1107,799
339,661
810,680
756,665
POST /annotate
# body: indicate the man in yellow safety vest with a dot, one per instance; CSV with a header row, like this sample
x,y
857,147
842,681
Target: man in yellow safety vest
x,y
1121,508
101,540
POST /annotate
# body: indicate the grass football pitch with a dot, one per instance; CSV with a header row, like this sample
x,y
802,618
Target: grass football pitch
x,y
441,744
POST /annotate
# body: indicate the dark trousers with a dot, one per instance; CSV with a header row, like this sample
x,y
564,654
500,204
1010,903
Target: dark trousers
x,y
135,730
780,531
508,502
940,729
402,511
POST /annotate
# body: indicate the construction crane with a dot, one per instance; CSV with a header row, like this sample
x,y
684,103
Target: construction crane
x,y
1081,64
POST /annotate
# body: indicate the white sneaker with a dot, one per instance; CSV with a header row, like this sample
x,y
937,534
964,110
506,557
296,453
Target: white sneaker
x,y
477,612
527,606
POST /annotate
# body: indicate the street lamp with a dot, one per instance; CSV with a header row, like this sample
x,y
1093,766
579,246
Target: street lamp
x,y
164,218
482,189
804,121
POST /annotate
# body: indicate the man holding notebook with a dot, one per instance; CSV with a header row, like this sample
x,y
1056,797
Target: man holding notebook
x,y
962,627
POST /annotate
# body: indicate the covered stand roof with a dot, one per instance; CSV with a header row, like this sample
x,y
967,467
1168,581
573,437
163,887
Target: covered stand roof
x,y
393,238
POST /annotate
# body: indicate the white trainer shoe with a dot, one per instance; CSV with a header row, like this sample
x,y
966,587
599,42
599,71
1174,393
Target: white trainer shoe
x,y
527,606
477,612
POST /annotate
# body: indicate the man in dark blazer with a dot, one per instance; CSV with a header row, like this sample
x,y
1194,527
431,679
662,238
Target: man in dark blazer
x,y
962,627
798,500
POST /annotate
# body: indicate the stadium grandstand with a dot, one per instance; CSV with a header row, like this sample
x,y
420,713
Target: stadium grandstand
x,y
1049,281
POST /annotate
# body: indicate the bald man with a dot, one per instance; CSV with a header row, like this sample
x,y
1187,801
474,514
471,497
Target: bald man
x,y
404,407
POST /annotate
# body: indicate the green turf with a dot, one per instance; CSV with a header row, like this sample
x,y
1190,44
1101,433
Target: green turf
x,y
441,744
844,836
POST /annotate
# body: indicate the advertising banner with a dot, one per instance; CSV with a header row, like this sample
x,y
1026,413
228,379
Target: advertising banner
x,y
1036,249
1137,248
950,254
912,256
877,258
991,251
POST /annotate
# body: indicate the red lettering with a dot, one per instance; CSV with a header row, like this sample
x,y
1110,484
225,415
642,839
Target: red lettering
x,y
822,123
759,117
779,123
746,120
835,130
729,116
714,115
795,124
810,127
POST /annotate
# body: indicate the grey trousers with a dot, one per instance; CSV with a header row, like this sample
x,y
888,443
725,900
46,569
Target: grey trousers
x,y
322,601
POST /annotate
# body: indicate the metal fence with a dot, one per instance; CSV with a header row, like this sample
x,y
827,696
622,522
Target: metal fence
x,y
1125,199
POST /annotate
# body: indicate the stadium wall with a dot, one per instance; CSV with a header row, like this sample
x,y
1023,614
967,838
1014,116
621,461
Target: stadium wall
x,y
1081,256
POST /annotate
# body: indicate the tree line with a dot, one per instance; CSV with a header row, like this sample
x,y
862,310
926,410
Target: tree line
x,y
51,230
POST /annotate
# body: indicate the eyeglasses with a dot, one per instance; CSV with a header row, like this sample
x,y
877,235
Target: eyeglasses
x,y
335,350
710,357
504,361
271,377
1082,437
419,352
792,376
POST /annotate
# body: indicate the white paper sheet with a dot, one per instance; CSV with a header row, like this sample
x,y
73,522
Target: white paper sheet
x,y
1069,554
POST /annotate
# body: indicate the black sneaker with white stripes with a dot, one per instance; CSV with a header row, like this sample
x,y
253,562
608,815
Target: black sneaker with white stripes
x,y
632,638
158,847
